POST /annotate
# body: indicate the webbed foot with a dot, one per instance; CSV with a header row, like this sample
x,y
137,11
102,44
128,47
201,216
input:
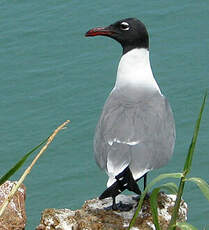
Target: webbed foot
x,y
120,207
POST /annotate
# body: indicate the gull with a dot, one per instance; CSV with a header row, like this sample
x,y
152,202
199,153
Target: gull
x,y
136,130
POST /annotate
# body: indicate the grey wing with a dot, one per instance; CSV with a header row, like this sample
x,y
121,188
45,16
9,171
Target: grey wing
x,y
112,128
156,138
139,135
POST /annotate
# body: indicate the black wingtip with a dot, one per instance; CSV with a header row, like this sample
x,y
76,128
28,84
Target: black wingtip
x,y
114,190
124,180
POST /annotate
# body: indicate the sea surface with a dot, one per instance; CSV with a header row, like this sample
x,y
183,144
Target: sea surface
x,y
49,72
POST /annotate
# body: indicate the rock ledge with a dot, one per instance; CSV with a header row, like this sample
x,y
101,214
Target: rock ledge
x,y
14,216
93,215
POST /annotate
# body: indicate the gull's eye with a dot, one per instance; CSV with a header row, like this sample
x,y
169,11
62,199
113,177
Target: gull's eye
x,y
124,26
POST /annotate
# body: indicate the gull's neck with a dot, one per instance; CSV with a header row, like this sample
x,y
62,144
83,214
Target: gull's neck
x,y
134,73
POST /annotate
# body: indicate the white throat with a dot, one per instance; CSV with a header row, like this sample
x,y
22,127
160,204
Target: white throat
x,y
135,74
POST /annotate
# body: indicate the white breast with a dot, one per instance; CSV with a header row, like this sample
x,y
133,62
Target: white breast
x,y
135,74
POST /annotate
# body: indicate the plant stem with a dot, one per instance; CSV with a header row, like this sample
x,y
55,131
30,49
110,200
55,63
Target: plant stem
x,y
187,167
172,224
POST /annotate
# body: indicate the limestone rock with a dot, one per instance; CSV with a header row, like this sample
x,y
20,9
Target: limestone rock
x,y
14,217
93,215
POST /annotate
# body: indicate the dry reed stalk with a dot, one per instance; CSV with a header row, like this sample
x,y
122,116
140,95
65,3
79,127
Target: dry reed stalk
x,y
27,171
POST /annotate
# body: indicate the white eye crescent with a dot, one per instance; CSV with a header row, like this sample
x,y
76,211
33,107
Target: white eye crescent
x,y
124,26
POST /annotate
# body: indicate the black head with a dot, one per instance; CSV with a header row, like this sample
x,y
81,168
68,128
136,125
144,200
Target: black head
x,y
130,33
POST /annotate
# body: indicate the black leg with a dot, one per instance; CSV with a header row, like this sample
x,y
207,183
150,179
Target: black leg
x,y
114,206
145,184
145,180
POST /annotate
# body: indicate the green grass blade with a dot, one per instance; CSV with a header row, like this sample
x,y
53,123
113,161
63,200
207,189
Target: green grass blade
x,y
133,220
188,162
14,169
203,185
187,167
170,187
154,205
185,226
162,177
153,182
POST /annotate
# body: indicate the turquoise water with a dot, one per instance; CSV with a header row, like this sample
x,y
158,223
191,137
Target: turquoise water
x,y
50,73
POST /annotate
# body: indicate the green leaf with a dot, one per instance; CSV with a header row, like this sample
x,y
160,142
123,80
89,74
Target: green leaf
x,y
154,205
14,169
203,185
153,182
185,226
188,162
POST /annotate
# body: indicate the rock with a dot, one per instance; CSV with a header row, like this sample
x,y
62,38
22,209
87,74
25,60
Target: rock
x,y
93,215
14,216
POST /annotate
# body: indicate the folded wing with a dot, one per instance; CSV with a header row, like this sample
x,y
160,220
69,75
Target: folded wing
x,y
140,135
